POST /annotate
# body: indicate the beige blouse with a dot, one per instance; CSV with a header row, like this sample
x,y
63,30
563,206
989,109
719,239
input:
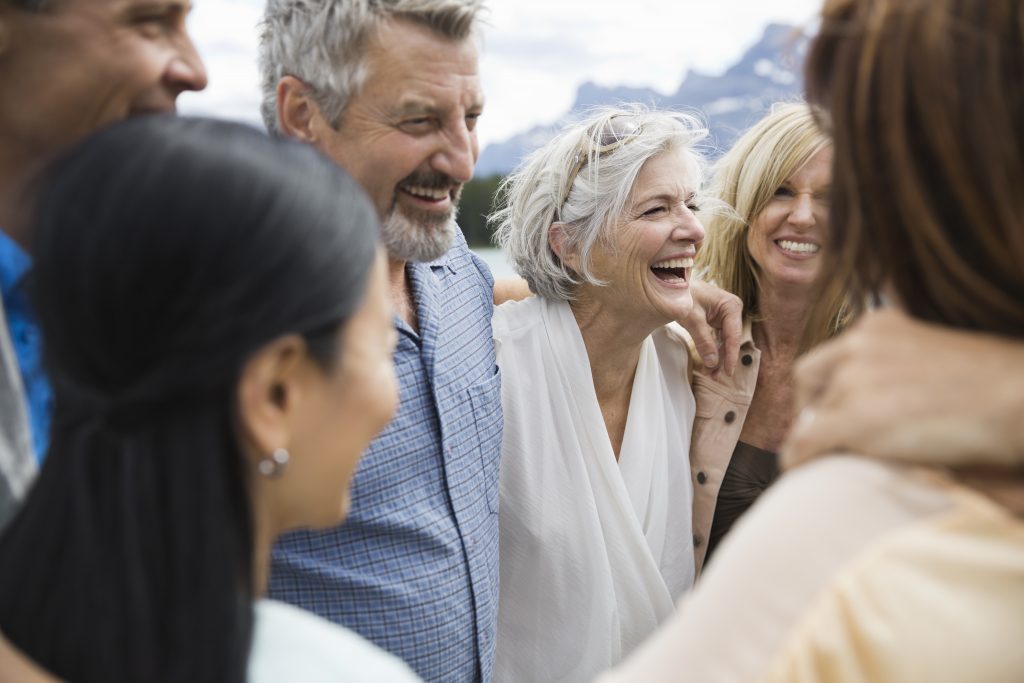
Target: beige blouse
x,y
848,570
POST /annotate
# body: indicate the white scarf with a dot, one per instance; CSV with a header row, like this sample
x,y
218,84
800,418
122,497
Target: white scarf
x,y
593,551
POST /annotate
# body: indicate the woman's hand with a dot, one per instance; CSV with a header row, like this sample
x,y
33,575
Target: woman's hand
x,y
716,324
897,388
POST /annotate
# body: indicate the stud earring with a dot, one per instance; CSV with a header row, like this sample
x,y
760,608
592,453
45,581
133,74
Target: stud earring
x,y
273,465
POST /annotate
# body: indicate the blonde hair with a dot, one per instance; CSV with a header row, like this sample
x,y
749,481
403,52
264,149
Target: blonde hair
x,y
744,181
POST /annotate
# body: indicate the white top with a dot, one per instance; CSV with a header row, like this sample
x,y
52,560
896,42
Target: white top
x,y
592,551
290,644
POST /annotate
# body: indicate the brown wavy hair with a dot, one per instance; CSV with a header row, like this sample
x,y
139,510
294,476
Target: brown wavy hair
x,y
925,103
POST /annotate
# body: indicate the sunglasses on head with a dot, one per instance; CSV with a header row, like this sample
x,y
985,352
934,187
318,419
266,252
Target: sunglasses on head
x,y
616,131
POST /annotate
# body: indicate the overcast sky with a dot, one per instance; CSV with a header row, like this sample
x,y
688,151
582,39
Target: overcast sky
x,y
535,52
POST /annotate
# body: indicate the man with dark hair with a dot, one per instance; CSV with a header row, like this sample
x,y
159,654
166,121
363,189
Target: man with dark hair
x,y
67,67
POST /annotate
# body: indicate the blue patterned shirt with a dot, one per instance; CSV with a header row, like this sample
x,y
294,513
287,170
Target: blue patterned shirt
x,y
26,340
414,568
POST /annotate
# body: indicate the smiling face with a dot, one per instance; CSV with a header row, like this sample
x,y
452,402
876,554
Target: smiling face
x,y
647,264
787,238
409,135
81,64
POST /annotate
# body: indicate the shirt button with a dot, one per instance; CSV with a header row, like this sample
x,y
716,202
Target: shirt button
x,y
730,417
747,359
701,478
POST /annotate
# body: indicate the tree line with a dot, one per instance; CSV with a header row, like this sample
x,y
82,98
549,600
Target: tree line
x,y
477,203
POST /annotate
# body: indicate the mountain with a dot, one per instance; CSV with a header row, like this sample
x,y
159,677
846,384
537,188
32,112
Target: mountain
x,y
768,72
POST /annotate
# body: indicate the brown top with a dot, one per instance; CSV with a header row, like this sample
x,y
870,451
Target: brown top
x,y
751,471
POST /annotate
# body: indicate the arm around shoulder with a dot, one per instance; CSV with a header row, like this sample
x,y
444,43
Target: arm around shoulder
x,y
902,389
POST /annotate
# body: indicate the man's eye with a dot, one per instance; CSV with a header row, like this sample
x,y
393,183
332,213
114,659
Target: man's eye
x,y
420,124
471,120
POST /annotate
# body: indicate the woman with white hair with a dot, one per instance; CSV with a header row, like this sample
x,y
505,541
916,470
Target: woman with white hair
x,y
595,484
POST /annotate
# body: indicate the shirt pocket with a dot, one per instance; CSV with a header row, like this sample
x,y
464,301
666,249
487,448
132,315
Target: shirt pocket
x,y
485,399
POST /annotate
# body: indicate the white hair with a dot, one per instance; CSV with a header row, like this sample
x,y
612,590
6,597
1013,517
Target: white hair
x,y
323,43
534,197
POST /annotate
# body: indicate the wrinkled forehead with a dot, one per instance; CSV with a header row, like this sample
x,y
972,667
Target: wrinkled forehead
x,y
693,168
410,66
678,168
96,9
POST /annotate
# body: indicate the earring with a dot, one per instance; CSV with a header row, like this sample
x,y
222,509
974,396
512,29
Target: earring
x,y
273,465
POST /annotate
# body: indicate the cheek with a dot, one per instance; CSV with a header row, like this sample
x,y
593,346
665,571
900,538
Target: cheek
x,y
372,394
758,236
385,394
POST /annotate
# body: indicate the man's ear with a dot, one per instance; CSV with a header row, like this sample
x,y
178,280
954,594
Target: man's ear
x,y
297,112
556,240
270,393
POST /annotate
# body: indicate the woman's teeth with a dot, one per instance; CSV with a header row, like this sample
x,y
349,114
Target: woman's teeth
x,y
799,247
672,270
675,263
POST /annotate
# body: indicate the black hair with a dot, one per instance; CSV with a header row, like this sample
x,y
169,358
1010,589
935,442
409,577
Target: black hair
x,y
167,250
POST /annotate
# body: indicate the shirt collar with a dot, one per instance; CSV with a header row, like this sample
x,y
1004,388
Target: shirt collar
x,y
442,262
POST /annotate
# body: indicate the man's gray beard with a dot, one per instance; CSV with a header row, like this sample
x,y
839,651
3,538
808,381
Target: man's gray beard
x,y
408,239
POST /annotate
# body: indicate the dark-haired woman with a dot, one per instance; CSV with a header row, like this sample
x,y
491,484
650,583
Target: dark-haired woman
x,y
848,569
218,338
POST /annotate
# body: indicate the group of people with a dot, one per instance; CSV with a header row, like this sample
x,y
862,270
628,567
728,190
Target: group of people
x,y
266,417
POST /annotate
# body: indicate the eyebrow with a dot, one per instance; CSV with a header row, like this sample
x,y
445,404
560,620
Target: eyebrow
x,y
417,105
666,197
827,187
135,8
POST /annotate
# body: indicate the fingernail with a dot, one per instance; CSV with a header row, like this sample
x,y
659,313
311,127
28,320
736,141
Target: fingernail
x,y
711,360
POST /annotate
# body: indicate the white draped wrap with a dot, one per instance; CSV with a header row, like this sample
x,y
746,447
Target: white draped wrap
x,y
593,551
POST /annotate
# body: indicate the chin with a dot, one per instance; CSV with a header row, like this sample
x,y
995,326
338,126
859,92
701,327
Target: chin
x,y
679,308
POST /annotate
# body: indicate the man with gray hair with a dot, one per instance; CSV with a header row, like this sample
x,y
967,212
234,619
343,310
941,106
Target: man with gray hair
x,y
389,89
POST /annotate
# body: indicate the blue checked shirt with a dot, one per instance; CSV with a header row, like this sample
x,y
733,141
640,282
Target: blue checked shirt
x,y
414,568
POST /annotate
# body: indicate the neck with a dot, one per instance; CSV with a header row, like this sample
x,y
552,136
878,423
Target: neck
x,y
401,296
264,533
782,319
613,347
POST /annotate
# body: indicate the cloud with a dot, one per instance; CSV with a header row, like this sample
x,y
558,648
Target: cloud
x,y
536,52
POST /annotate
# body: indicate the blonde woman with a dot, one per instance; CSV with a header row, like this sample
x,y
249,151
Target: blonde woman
x,y
765,245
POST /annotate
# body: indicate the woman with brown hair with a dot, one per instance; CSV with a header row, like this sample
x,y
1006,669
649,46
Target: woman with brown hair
x,y
850,569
